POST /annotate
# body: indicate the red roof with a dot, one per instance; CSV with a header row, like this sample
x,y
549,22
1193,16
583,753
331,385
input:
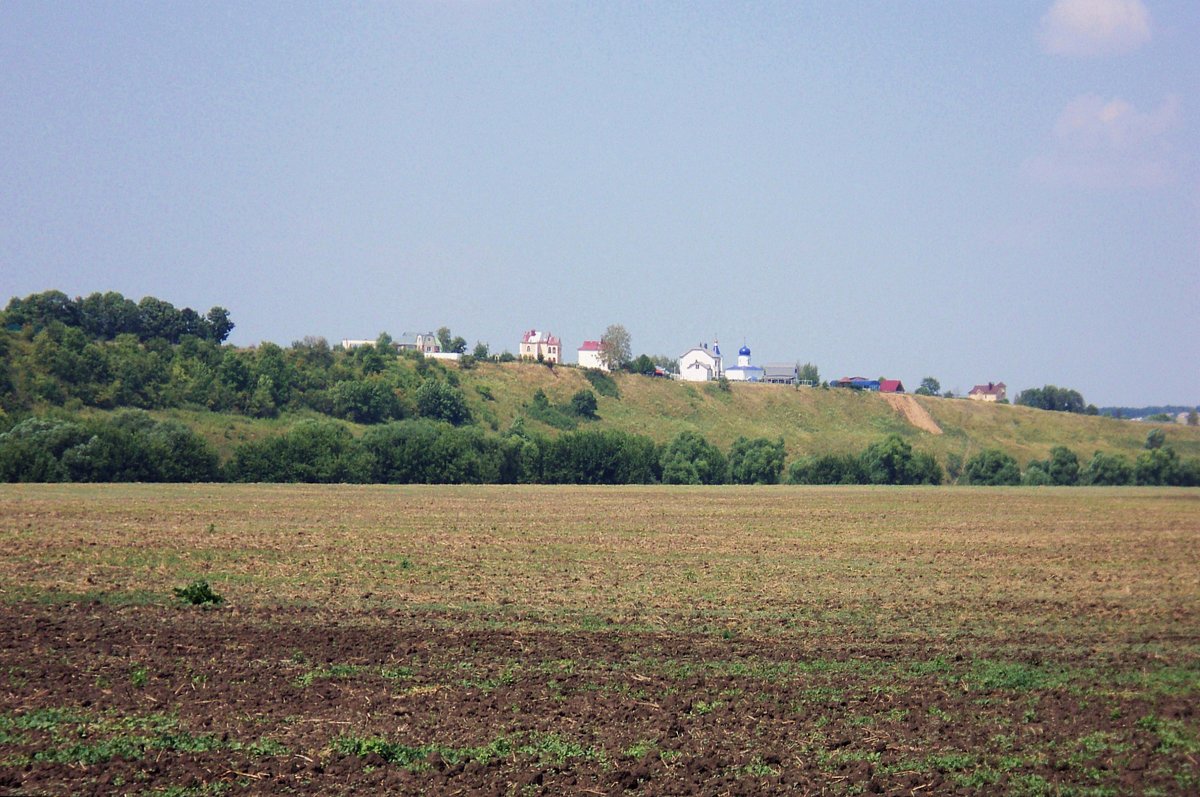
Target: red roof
x,y
591,345
890,386
990,389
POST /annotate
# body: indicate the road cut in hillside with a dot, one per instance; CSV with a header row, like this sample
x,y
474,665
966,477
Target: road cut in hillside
x,y
913,412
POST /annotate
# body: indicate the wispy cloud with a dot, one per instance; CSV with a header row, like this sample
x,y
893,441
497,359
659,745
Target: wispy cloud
x,y
1108,143
1094,27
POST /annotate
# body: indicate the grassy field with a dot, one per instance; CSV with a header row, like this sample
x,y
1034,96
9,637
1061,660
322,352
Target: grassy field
x,y
541,640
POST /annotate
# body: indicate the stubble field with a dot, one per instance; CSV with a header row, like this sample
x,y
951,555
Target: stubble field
x,y
543,640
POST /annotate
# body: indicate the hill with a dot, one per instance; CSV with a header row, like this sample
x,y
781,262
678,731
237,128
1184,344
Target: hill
x,y
810,420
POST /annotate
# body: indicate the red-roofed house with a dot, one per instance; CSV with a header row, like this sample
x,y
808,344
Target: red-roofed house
x,y
891,386
541,346
992,391
589,355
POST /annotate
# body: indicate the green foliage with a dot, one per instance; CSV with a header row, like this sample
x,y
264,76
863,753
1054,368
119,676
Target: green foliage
x,y
1155,439
892,461
427,452
1050,397
108,315
559,417
602,382
808,374
615,347
642,365
442,402
312,451
690,459
607,457
369,400
1107,470
828,469
1061,469
758,461
1158,467
127,447
198,593
992,467
583,404
929,387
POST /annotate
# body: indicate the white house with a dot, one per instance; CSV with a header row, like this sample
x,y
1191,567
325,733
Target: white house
x,y
744,371
540,346
701,364
589,355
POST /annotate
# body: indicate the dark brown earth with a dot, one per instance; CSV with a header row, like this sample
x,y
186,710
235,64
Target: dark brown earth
x,y
99,699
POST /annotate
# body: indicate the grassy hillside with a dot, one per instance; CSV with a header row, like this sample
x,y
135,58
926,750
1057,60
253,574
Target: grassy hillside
x,y
810,420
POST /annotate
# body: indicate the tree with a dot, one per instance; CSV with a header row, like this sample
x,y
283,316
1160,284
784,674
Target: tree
x,y
992,467
690,459
929,387
828,469
893,461
808,374
481,351
1050,397
218,324
583,404
1063,466
444,339
615,347
758,461
1155,439
1193,419
1108,470
642,365
442,402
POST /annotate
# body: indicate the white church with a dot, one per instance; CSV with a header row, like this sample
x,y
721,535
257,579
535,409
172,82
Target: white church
x,y
703,364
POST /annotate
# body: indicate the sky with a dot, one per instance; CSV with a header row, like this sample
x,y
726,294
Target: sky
x,y
970,191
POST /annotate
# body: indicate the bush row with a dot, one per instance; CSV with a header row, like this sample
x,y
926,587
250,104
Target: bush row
x,y
132,446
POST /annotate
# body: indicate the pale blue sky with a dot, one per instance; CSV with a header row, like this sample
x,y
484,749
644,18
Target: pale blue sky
x,y
974,191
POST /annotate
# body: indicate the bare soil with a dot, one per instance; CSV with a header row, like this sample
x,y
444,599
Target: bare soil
x,y
312,701
913,412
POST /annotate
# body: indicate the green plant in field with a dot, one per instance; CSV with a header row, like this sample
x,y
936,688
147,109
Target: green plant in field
x,y
198,593
138,676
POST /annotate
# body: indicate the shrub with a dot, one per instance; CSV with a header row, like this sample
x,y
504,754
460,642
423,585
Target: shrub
x,y
198,593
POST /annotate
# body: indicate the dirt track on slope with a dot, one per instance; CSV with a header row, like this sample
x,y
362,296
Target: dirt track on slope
x,y
913,412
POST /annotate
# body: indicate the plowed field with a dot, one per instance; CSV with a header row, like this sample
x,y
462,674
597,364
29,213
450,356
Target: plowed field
x,y
599,641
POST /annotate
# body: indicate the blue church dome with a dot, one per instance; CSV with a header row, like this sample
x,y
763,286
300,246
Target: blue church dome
x,y
744,351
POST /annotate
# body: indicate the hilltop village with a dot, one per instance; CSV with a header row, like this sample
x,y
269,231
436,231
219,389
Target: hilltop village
x,y
701,363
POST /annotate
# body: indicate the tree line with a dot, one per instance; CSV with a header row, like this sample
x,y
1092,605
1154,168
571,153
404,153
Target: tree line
x,y
130,446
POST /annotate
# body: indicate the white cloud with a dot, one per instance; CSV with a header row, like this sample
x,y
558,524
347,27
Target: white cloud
x,y
1108,143
1094,27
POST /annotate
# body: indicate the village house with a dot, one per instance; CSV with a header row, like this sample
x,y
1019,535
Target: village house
x,y
426,343
589,355
780,373
701,364
992,391
540,346
891,386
